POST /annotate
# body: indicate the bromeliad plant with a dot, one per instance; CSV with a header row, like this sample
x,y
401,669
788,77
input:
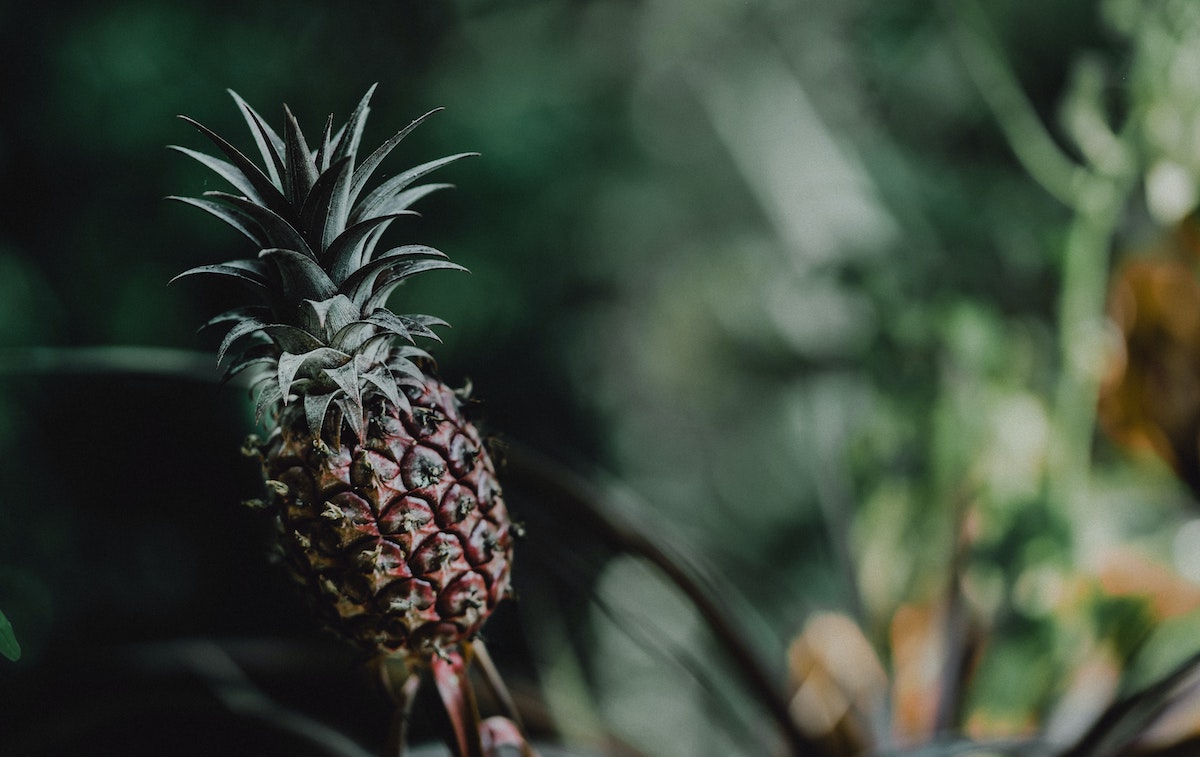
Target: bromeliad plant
x,y
385,498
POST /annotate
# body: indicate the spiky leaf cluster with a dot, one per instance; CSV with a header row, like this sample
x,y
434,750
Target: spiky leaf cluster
x,y
318,330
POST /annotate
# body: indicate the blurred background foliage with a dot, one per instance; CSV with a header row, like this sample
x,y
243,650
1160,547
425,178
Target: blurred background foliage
x,y
816,289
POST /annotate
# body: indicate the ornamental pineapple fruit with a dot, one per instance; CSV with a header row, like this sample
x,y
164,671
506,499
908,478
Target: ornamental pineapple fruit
x,y
384,494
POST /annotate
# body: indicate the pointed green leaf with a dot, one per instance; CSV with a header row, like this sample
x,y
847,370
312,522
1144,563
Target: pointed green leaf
x,y
351,136
388,320
9,647
302,278
391,324
327,317
420,325
316,408
301,172
244,275
383,380
375,349
377,201
346,379
239,331
291,364
271,196
225,170
351,337
323,216
262,365
384,286
343,256
267,396
235,217
291,339
413,352
275,228
406,367
322,158
362,174
400,202
359,282
246,312
269,143
352,413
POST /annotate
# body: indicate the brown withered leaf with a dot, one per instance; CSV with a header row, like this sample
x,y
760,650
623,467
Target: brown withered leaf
x,y
1150,396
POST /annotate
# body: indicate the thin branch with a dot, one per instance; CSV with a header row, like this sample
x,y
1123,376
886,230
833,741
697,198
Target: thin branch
x,y
405,694
1028,137
524,466
495,682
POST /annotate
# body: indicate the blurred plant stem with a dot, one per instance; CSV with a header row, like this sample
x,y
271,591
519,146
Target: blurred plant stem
x,y
1096,192
1080,333
153,361
537,472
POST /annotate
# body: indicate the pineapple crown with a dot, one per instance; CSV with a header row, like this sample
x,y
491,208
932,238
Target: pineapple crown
x,y
319,330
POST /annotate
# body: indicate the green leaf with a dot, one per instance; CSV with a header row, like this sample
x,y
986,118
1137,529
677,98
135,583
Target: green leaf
x,y
384,286
399,203
346,378
235,217
269,395
322,157
316,407
238,315
323,216
358,283
303,278
244,275
292,339
269,143
262,183
374,349
351,137
240,329
363,173
352,413
8,640
224,169
379,199
389,321
328,317
301,172
383,380
261,365
276,229
343,255
290,365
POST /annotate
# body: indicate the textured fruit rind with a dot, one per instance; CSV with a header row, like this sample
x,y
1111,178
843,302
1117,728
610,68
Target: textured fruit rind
x,y
402,539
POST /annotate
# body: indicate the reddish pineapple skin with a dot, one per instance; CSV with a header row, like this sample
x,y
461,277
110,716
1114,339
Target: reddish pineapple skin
x,y
403,539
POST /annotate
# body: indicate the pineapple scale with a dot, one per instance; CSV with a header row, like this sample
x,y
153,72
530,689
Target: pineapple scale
x,y
403,539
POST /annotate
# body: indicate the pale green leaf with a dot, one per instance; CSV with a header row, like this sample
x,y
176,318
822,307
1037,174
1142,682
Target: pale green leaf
x,y
9,647
262,183
292,364
301,172
378,201
269,143
363,173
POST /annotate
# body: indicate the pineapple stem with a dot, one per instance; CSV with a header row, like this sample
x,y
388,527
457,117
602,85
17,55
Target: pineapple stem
x,y
404,694
495,682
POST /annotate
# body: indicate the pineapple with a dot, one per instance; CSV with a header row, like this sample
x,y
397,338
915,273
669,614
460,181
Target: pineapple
x,y
386,500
